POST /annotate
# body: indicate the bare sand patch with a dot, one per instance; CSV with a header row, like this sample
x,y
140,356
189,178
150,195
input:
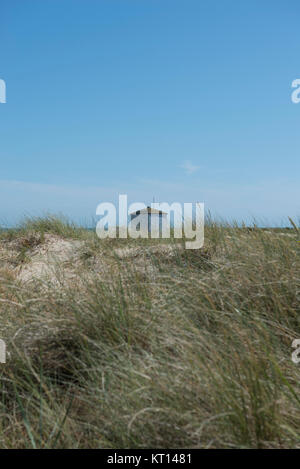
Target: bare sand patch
x,y
46,260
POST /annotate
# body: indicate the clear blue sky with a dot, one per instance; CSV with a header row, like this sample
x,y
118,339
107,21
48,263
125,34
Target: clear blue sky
x,y
184,100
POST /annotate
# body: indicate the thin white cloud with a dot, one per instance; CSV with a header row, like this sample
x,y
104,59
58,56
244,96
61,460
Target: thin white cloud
x,y
189,167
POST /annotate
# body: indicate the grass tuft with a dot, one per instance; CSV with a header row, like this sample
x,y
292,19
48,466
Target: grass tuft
x,y
142,344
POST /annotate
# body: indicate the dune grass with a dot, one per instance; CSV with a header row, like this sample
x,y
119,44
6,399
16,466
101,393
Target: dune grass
x,y
188,349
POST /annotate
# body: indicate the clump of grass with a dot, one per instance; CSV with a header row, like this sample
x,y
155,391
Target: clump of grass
x,y
167,349
58,225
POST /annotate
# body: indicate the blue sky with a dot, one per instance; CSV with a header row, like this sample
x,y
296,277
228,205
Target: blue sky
x,y
184,100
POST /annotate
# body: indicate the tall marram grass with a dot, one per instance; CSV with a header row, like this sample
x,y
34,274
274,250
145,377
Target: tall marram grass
x,y
189,350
